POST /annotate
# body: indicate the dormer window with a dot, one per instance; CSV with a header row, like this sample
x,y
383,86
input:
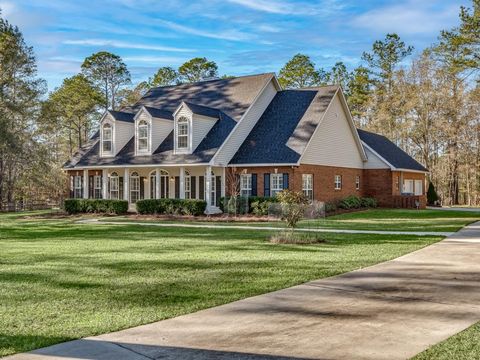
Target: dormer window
x,y
182,133
107,139
142,136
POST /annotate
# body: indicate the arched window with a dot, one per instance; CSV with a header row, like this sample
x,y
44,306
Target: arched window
x,y
114,186
107,146
134,187
182,133
143,135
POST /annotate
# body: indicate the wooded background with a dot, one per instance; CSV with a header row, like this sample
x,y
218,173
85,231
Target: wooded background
x,y
428,104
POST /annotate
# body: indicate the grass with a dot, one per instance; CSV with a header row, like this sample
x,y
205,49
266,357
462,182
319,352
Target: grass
x,y
378,219
60,280
464,345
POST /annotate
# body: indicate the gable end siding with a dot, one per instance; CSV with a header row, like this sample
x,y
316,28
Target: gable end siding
x,y
333,143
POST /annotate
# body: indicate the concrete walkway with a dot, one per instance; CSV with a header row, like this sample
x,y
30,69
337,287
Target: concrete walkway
x,y
391,310
268,228
453,208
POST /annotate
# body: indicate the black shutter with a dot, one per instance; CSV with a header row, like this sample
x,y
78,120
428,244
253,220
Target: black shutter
x,y
177,187
218,189
193,187
71,186
90,188
142,187
285,180
254,184
120,187
201,187
266,185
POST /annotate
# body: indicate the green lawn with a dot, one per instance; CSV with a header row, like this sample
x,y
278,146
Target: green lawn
x,y
462,346
60,280
378,219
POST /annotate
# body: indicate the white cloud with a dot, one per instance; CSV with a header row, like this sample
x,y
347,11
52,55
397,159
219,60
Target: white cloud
x,y
286,8
155,59
124,45
232,35
410,18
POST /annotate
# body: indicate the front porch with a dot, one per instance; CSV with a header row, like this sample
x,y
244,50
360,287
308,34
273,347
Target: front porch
x,y
137,183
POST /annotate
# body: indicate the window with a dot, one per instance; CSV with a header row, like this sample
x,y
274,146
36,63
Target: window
x,y
418,187
276,183
188,185
77,187
338,182
153,185
246,185
182,133
97,187
142,141
408,187
213,192
134,187
114,187
397,183
107,139
307,185
357,182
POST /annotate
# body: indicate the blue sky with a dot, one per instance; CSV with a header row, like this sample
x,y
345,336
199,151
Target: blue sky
x,y
242,36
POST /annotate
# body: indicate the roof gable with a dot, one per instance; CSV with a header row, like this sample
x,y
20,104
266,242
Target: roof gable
x,y
390,152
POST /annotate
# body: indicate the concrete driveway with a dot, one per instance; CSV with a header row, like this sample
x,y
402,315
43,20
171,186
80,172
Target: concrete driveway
x,y
388,311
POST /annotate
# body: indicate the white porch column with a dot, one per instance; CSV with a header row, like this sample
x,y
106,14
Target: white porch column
x,y
126,183
182,182
208,188
85,184
157,186
224,185
104,184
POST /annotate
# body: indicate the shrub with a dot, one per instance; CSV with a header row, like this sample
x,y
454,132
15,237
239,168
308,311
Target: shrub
x,y
350,202
172,206
234,205
259,205
369,202
330,207
75,206
432,196
293,204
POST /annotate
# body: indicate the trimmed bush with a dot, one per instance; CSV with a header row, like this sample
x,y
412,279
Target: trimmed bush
x,y
369,202
432,196
172,206
76,206
350,202
235,204
259,205
330,207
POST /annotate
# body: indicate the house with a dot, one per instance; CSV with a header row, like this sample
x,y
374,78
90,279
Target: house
x,y
185,141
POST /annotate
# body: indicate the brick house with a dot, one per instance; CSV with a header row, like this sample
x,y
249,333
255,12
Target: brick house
x,y
185,141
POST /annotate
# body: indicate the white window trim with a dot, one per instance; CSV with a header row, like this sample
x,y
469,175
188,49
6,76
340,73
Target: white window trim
x,y
77,186
97,186
357,182
187,149
245,185
114,180
133,181
275,190
307,185
112,128
418,192
148,150
338,182
187,185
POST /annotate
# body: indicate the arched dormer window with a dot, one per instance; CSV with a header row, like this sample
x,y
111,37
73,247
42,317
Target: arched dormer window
x,y
107,139
183,133
143,136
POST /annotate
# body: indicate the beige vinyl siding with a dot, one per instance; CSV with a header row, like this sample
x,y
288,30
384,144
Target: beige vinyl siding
x,y
374,162
124,131
201,125
333,143
161,128
246,124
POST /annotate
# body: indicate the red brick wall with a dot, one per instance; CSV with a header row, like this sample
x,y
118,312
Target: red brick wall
x,y
323,179
379,184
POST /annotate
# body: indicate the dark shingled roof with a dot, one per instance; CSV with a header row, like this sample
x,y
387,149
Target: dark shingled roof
x,y
122,116
389,151
202,110
231,96
286,126
225,99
